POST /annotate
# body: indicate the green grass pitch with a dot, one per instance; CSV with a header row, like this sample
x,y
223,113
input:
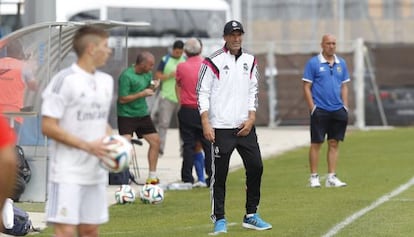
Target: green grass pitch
x,y
373,163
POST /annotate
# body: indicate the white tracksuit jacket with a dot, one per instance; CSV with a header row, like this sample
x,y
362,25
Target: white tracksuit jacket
x,y
227,88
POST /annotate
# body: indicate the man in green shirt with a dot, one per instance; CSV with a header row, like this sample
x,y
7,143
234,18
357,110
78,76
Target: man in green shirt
x,y
135,84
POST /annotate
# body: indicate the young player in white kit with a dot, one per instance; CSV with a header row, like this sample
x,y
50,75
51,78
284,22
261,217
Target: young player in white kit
x,y
75,113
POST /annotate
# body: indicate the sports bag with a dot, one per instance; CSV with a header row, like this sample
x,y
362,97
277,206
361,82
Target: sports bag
x,y
24,174
122,177
21,223
24,168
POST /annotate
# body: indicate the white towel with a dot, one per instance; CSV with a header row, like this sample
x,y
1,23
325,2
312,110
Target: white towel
x,y
8,214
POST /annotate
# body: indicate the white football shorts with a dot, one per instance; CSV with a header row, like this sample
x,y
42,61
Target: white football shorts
x,y
76,204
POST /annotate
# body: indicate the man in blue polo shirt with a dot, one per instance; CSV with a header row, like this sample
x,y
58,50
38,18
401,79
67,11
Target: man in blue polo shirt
x,y
325,86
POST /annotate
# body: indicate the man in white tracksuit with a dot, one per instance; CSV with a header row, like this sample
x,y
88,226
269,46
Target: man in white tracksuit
x,y
227,98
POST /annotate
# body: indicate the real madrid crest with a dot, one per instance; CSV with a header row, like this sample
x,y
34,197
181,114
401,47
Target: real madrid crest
x,y
245,67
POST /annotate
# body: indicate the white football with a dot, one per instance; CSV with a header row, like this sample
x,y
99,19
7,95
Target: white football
x,y
151,194
120,153
125,194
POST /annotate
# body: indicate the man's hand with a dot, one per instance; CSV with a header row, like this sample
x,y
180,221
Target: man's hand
x,y
208,131
148,92
171,74
98,148
245,128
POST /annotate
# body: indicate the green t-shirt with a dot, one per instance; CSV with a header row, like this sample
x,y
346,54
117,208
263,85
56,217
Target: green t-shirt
x,y
169,64
132,83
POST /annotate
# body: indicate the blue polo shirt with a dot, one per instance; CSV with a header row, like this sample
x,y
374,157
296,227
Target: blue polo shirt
x,y
326,81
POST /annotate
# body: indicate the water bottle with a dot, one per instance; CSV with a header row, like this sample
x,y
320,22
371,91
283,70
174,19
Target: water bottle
x,y
180,186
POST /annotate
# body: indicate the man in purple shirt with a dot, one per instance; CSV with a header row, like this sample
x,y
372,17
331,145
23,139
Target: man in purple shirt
x,y
189,119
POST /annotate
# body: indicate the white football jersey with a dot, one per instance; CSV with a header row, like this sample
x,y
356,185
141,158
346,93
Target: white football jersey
x,y
81,102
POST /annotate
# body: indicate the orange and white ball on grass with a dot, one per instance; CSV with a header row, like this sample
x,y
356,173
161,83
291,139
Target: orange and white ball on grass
x,y
120,152
151,194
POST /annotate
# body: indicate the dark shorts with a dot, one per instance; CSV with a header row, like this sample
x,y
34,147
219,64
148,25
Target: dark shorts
x,y
330,123
140,125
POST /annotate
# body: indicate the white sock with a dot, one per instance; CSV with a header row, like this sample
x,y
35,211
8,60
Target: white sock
x,y
314,175
249,215
152,174
330,175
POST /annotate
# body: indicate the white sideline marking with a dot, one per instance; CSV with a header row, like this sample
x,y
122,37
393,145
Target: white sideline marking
x,y
363,211
403,200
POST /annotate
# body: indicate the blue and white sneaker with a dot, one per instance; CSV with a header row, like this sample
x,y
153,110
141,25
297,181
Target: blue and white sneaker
x,y
220,226
256,223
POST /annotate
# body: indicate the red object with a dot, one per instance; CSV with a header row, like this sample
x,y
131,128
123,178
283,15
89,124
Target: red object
x,y
7,135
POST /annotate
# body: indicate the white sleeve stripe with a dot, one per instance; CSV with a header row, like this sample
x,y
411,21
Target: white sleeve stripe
x,y
307,80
